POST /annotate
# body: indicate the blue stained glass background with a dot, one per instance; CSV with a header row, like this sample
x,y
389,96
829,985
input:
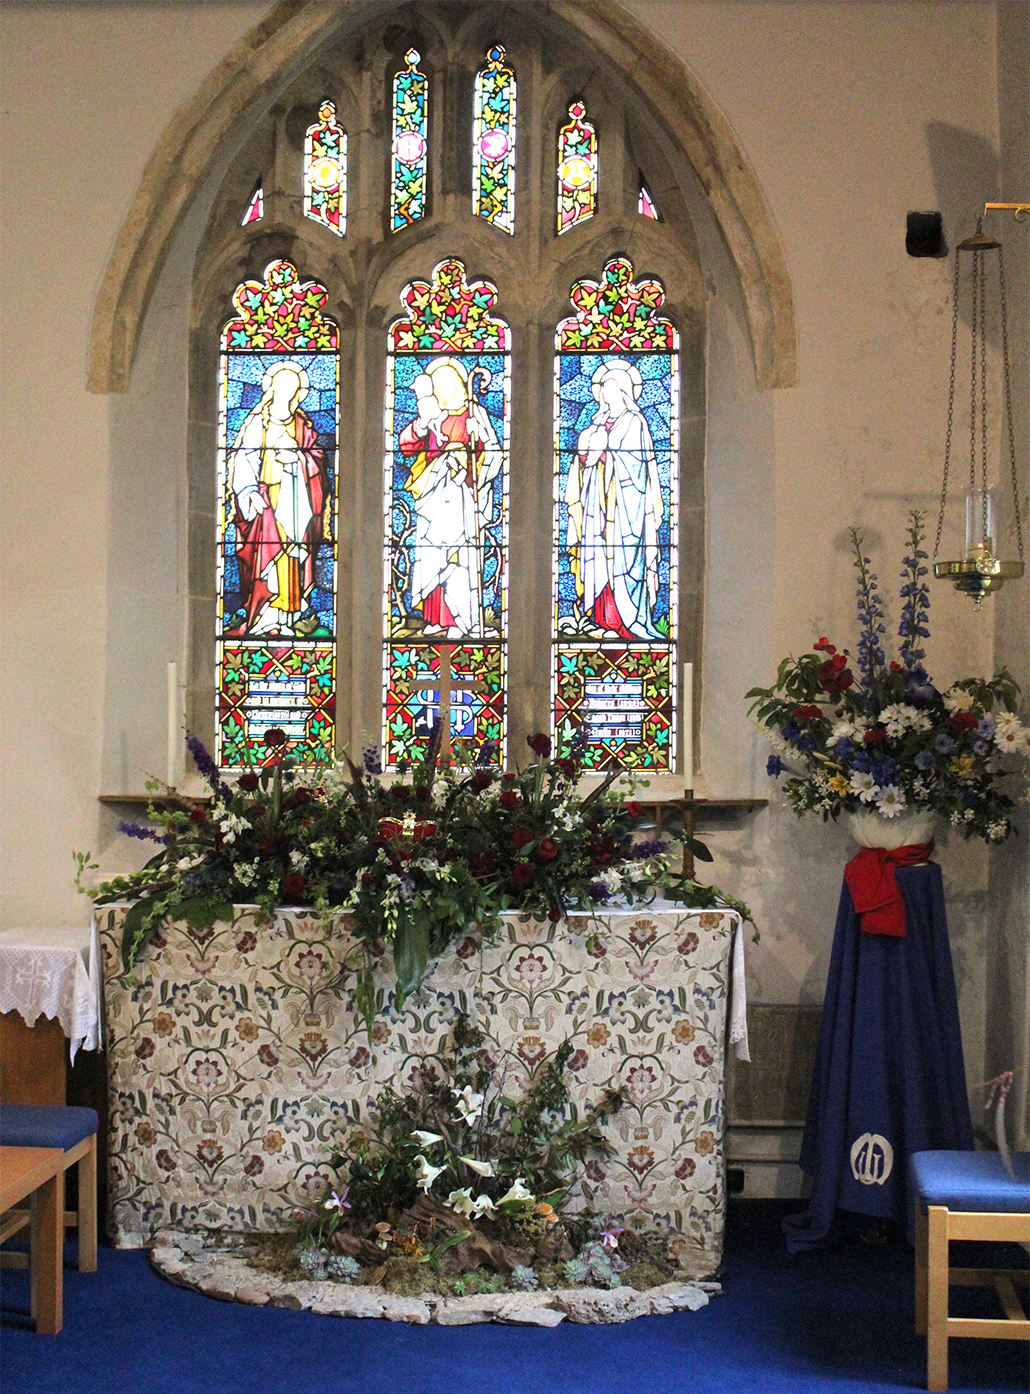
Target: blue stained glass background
x,y
577,407
242,387
406,368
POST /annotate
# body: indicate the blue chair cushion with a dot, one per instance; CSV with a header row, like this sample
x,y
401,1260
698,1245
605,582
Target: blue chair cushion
x,y
971,1181
45,1125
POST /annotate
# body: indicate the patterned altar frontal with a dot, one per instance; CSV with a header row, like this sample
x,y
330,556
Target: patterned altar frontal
x,y
237,1059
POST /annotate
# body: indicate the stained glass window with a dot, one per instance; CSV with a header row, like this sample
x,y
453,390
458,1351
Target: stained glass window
x,y
493,143
577,169
410,144
325,171
616,415
278,426
447,426
255,208
646,205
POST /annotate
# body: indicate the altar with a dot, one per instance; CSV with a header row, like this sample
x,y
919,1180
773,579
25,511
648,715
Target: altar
x,y
237,1058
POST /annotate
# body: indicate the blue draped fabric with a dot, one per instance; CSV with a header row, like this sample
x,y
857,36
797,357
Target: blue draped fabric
x,y
889,1078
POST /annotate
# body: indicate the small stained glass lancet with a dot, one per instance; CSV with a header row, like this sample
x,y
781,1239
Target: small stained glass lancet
x,y
616,415
255,208
493,143
577,169
325,171
276,559
447,429
410,144
646,206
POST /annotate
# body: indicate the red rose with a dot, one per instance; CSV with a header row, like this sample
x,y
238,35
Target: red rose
x,y
481,780
247,782
539,744
809,712
259,810
367,879
963,721
483,863
548,849
509,799
275,737
301,795
521,836
399,793
896,667
294,885
567,767
198,815
554,914
634,809
837,683
875,734
524,873
508,777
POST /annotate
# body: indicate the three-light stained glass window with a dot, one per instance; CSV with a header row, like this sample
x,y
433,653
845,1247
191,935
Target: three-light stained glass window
x,y
410,147
577,169
616,413
276,561
325,171
493,143
447,428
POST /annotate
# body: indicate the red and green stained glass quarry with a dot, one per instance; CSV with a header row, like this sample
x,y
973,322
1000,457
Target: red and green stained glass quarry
x,y
255,208
447,430
616,418
410,148
325,171
276,562
493,143
577,169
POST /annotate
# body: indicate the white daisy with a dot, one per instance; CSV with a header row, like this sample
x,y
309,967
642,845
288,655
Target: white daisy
x,y
864,785
957,700
891,801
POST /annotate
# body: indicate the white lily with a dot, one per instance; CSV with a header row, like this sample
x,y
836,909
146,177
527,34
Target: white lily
x,y
461,1201
427,1139
517,1191
426,1174
482,1205
470,1104
483,1168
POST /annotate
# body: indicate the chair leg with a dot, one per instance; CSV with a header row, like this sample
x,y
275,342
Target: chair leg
x,y
88,1209
922,1238
937,1298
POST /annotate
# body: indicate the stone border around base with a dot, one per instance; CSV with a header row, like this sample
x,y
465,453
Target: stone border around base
x,y
221,1270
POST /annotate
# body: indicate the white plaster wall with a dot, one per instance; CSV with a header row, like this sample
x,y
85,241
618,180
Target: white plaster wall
x,y
851,115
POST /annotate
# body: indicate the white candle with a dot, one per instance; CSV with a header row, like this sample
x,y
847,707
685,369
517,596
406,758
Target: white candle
x,y
173,723
688,725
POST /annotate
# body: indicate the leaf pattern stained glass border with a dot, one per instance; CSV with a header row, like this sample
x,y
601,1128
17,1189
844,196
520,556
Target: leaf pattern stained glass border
x,y
410,147
412,701
325,171
493,142
577,169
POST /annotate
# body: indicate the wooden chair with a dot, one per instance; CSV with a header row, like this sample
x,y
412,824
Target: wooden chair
x,y
966,1195
74,1131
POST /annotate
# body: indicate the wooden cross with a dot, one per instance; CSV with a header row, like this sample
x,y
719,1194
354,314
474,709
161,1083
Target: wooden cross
x,y
447,684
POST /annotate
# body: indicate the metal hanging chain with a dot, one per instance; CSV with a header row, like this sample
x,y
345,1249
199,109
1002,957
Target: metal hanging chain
x,y
984,540
1008,400
951,412
974,325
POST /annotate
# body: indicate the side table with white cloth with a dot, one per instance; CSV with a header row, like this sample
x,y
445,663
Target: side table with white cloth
x,y
50,990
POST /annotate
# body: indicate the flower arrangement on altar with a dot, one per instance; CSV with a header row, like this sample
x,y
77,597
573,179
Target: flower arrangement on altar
x,y
458,1187
416,860
883,739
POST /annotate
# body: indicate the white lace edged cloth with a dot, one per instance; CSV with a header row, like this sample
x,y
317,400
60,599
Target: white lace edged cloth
x,y
54,973
738,998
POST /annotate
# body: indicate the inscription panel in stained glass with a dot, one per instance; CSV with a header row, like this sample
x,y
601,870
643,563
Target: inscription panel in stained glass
x,y
276,559
413,700
616,416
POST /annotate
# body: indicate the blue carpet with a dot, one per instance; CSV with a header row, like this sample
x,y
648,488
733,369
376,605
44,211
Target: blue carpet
x,y
838,1319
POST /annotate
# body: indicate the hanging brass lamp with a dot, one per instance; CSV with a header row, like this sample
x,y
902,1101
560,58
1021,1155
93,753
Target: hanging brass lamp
x,y
982,569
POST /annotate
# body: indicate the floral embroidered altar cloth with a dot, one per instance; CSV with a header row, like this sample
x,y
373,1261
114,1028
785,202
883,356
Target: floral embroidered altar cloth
x,y
237,1059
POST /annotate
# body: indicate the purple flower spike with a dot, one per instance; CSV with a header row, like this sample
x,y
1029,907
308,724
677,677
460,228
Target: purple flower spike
x,y
207,767
144,834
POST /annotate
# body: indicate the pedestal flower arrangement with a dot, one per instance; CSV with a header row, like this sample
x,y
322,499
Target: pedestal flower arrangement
x,y
864,734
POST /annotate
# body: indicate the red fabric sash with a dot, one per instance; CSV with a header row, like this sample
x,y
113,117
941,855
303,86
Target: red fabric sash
x,y
874,891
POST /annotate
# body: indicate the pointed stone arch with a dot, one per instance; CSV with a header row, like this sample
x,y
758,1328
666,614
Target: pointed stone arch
x,y
244,84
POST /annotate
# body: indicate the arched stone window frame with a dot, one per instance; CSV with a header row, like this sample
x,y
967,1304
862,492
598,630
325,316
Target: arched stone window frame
x,y
248,122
